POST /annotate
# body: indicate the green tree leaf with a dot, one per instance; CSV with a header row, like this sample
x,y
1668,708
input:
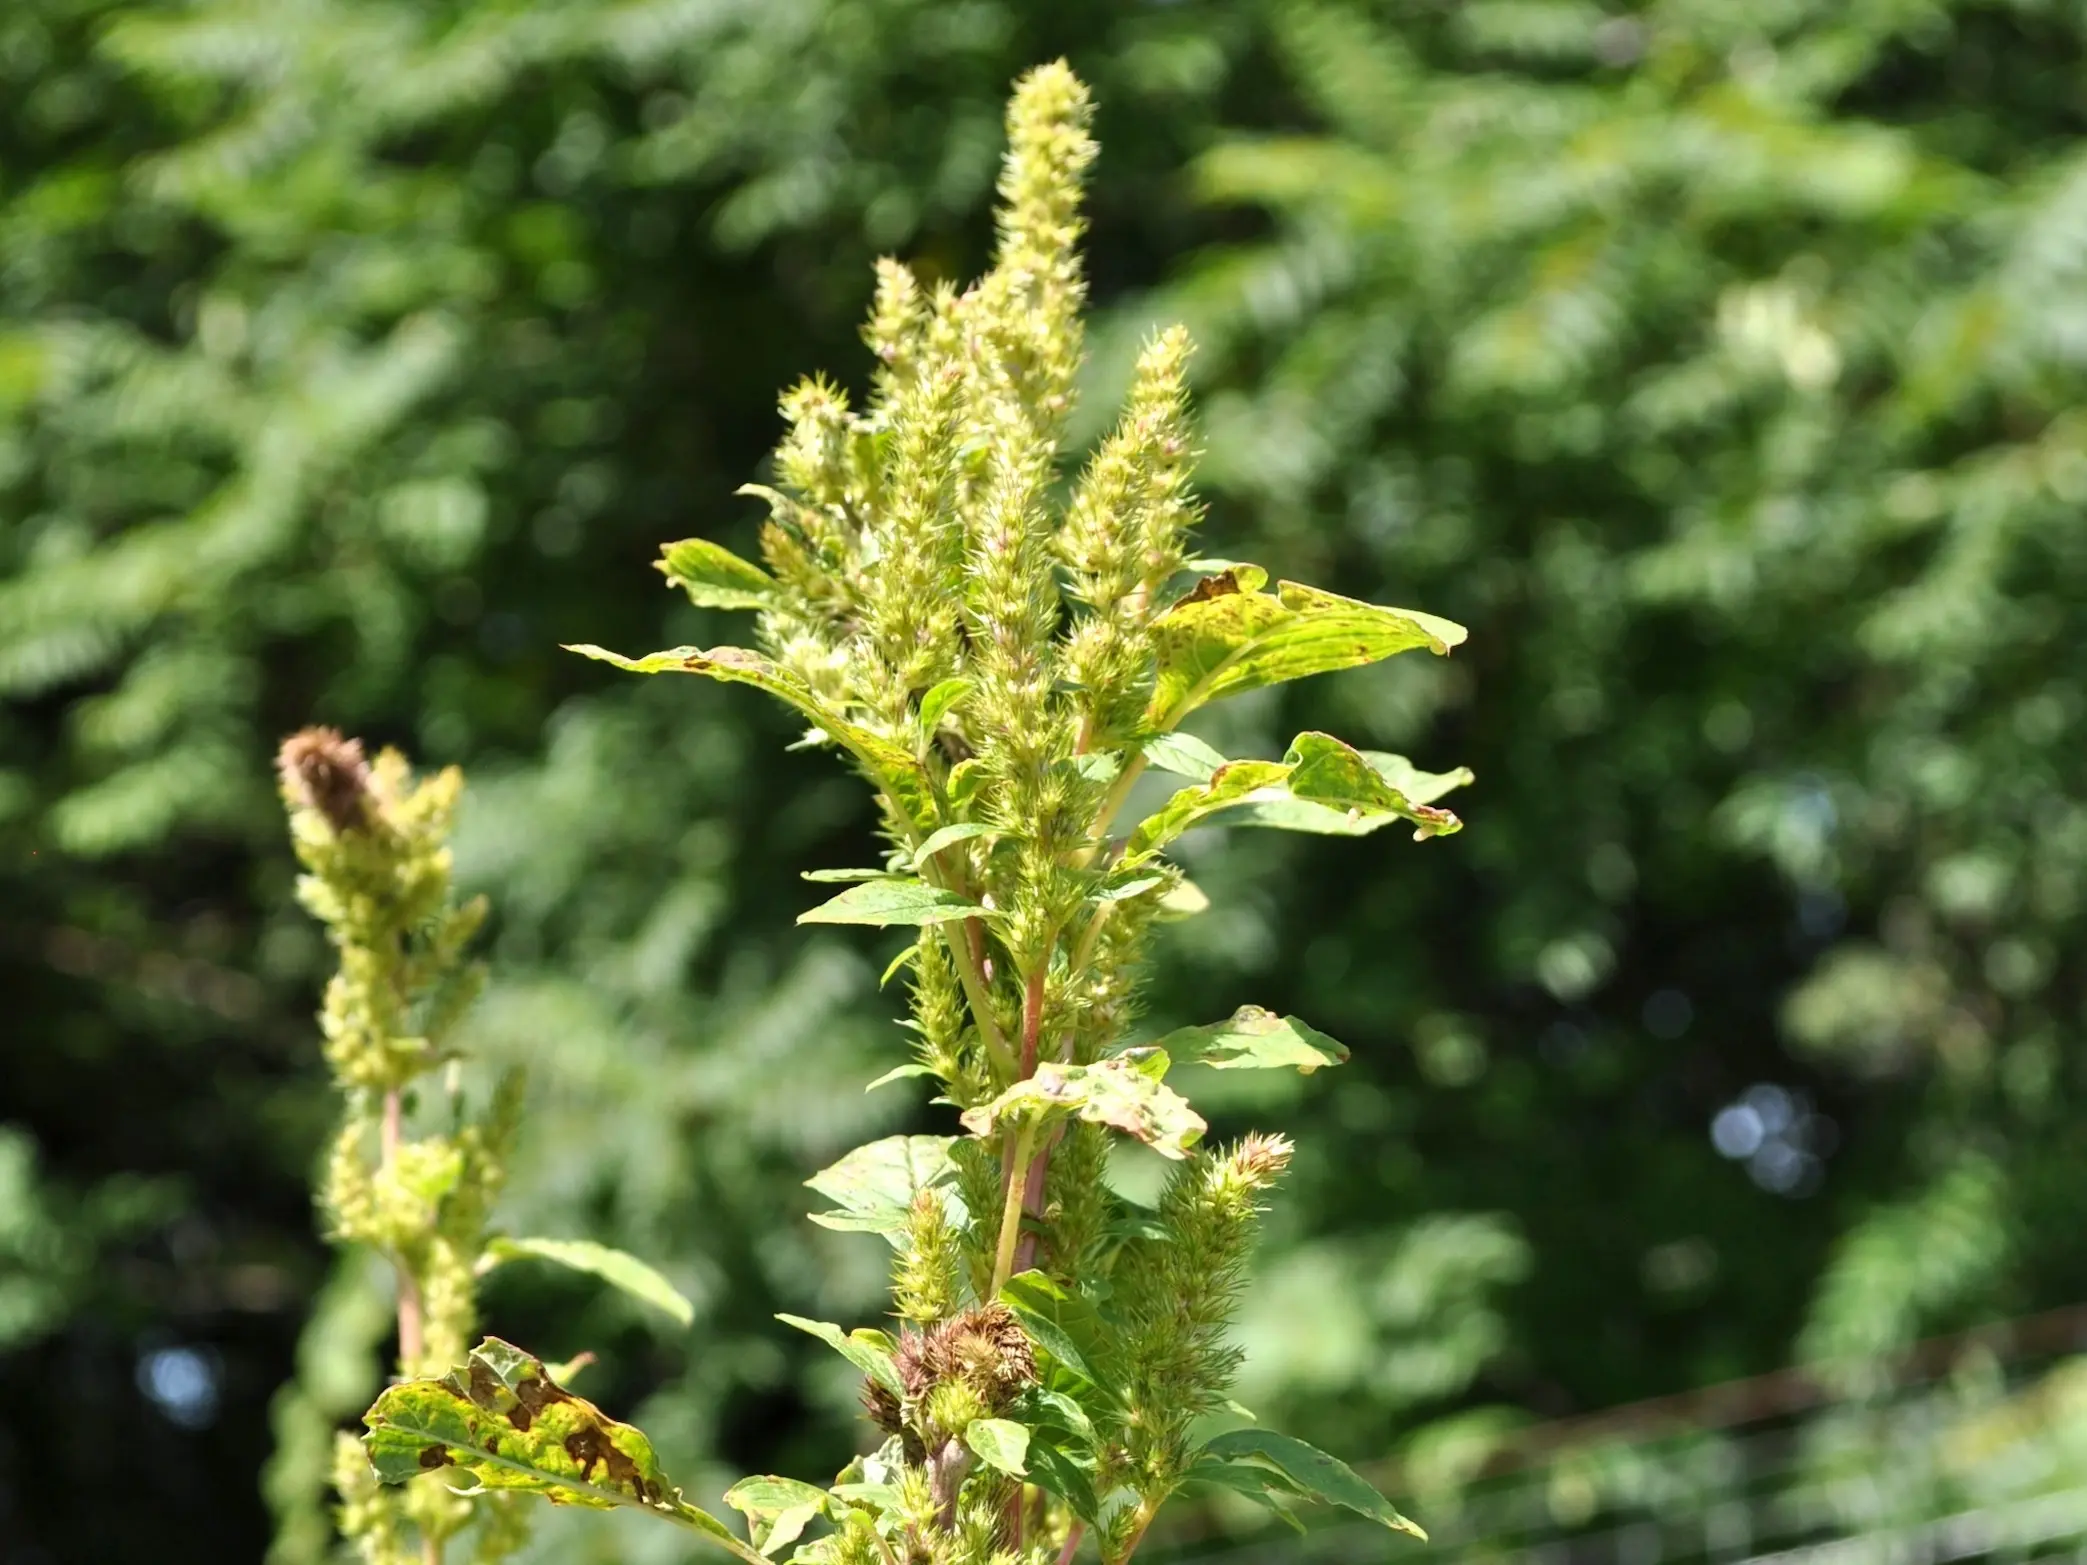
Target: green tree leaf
x,y
868,1349
777,1510
1226,636
504,1421
714,577
875,1184
1254,1039
1123,1093
896,900
890,766
611,1265
1001,1443
1303,1468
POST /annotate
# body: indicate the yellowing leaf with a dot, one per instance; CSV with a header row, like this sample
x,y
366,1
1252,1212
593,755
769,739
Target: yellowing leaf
x,y
1227,636
503,1421
1123,1093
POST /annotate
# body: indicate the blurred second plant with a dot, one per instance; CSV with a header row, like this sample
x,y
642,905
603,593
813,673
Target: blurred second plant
x,y
1002,667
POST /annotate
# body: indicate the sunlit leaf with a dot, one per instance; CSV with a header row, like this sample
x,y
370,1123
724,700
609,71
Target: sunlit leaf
x,y
1226,636
1254,1039
1184,755
940,701
874,1185
867,1349
889,765
1065,1325
611,1265
777,1510
894,900
503,1421
1115,1092
942,837
714,577
1300,1468
1001,1443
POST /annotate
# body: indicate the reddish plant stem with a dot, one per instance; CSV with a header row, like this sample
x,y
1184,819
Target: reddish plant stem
x,y
1033,1176
1072,1542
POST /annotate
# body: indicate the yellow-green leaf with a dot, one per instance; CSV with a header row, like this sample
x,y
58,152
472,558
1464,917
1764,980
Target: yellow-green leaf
x,y
503,1421
1123,1093
1227,636
891,766
611,1265
714,577
1254,1039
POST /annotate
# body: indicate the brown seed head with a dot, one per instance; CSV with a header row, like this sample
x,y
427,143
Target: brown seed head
x,y
323,771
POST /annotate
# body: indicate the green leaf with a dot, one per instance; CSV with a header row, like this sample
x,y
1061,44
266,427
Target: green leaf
x,y
938,702
904,1072
867,1349
612,1266
1063,1324
1321,785
909,955
829,877
1227,636
714,577
894,901
1117,1092
502,1419
874,1185
891,766
777,1510
937,840
1254,1039
1054,1468
1258,1484
1001,1443
1304,1468
1184,755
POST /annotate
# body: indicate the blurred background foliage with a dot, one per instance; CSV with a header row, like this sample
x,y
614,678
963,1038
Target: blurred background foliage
x,y
1716,361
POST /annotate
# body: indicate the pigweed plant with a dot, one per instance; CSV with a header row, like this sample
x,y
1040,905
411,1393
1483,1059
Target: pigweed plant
x,y
1000,666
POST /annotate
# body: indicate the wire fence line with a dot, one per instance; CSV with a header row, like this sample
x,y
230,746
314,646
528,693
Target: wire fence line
x,y
1968,1447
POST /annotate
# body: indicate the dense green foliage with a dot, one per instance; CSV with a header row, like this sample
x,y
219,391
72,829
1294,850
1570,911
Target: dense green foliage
x,y
1711,361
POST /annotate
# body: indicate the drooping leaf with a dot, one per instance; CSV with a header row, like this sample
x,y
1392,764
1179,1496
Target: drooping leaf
x,y
835,877
867,1349
1063,1324
1001,1443
942,837
891,766
503,1421
1303,1468
715,577
874,1185
1321,784
1254,1039
611,1265
1231,784
1265,1488
894,900
1184,755
1227,636
1116,1092
777,1510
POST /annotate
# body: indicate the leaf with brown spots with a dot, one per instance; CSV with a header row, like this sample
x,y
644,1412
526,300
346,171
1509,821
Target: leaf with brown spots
x,y
1227,636
506,1423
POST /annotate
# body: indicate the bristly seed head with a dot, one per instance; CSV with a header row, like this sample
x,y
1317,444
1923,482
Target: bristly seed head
x,y
323,771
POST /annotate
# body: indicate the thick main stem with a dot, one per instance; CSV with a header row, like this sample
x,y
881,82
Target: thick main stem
x,y
1011,1207
1072,1541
